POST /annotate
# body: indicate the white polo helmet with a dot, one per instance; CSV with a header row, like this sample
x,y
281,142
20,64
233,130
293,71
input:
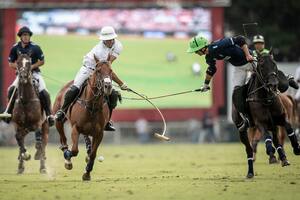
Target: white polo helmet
x,y
107,33
258,38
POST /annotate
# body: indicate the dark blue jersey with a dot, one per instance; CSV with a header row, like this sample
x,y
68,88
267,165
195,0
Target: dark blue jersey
x,y
226,49
34,49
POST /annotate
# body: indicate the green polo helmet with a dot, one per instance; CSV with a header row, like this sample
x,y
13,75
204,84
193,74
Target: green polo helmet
x,y
196,43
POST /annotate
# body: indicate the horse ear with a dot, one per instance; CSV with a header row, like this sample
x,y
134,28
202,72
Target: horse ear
x,y
271,51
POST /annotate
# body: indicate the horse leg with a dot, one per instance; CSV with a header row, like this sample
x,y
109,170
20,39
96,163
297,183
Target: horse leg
x,y
88,146
45,133
89,167
254,135
270,150
245,140
23,155
74,151
279,147
62,136
293,138
38,144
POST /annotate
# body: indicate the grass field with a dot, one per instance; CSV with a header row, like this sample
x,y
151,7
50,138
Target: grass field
x,y
208,172
142,65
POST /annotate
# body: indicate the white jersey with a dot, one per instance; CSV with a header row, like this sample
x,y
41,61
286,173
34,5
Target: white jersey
x,y
102,52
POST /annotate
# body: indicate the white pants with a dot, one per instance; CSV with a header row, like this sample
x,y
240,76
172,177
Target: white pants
x,y
240,74
37,79
83,74
297,95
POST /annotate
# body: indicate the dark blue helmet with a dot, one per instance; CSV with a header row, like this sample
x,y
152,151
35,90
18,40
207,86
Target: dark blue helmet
x,y
24,29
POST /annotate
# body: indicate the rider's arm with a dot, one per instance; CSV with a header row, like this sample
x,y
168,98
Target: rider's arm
x,y
115,78
12,58
40,56
240,41
37,64
211,70
13,65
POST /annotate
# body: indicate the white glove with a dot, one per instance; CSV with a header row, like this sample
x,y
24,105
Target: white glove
x,y
204,88
124,86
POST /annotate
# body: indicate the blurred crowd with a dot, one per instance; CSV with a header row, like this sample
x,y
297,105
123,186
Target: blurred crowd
x,y
124,20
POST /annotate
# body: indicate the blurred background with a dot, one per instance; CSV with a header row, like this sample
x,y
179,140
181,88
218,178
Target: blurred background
x,y
155,35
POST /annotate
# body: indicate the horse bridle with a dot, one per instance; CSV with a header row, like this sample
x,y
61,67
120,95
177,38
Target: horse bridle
x,y
261,80
22,69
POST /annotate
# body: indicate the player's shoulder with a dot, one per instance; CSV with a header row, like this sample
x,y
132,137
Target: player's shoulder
x,y
33,44
118,44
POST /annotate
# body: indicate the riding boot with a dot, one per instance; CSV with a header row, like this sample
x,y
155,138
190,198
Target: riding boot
x,y
46,105
292,82
70,96
112,103
109,126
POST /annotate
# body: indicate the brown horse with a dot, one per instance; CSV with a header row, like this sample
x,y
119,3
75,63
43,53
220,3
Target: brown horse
x,y
290,108
266,111
28,115
88,115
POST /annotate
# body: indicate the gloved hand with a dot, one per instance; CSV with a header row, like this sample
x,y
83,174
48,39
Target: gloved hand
x,y
124,86
204,88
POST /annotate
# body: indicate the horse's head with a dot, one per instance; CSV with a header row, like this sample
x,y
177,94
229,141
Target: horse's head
x,y
104,77
268,71
24,68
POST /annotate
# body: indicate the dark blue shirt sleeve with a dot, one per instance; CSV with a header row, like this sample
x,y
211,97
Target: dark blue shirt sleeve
x,y
13,56
39,53
211,70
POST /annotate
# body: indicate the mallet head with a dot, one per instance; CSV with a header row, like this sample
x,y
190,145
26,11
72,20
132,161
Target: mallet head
x,y
162,137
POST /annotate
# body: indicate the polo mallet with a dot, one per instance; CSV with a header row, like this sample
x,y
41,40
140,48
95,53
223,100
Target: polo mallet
x,y
5,114
160,136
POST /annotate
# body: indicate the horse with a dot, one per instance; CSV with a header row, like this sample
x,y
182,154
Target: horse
x,y
28,115
290,108
87,115
265,109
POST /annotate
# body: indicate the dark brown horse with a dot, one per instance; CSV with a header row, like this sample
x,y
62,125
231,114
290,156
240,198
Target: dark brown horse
x,y
266,111
28,115
88,115
290,109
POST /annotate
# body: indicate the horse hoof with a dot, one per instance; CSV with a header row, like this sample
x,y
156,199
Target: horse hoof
x,y
87,159
38,155
26,156
272,160
20,170
86,177
296,151
285,163
250,175
68,164
43,171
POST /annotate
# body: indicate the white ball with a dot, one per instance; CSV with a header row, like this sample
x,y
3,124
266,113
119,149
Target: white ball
x,y
100,158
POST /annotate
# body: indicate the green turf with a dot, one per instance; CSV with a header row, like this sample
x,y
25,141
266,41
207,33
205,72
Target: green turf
x,y
208,172
142,65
